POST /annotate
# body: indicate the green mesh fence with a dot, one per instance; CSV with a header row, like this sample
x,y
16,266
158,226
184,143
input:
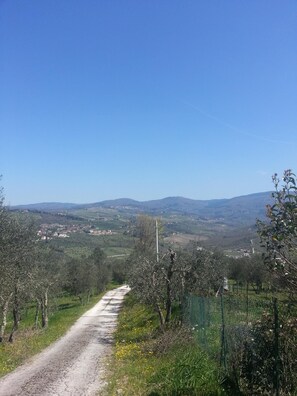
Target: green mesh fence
x,y
253,339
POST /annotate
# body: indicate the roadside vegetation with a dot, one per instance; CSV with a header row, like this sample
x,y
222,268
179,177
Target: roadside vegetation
x,y
148,361
191,332
31,340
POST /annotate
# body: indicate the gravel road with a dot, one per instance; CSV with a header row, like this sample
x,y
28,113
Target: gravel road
x,y
74,365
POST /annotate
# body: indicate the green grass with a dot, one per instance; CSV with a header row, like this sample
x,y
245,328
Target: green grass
x,y
29,341
149,362
79,244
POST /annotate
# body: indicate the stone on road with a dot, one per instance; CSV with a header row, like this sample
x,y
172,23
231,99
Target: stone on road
x,y
74,365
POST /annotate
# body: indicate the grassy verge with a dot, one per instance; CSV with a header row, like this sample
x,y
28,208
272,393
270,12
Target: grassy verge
x,y
148,362
29,341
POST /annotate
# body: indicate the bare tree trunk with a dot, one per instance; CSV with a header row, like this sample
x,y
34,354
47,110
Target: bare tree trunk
x,y
168,303
161,316
168,287
15,313
157,305
4,317
44,309
182,299
37,309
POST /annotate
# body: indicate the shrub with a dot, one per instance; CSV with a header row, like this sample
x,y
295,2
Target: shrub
x,y
269,360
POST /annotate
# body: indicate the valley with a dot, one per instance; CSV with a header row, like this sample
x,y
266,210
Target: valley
x,y
227,224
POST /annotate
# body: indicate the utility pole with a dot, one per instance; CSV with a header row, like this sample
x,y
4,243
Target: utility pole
x,y
252,246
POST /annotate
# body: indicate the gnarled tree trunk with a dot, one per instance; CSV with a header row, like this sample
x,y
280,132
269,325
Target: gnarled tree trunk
x,y
169,276
37,309
44,309
15,312
4,309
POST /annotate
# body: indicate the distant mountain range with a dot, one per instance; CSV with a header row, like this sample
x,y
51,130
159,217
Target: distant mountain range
x,y
239,210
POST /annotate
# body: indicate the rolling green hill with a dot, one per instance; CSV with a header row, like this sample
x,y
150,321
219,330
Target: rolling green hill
x,y
235,211
228,224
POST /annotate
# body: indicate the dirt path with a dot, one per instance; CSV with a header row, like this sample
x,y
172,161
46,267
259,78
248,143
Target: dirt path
x,y
74,365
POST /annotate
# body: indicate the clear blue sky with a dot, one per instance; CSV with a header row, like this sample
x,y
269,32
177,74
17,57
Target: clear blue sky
x,y
102,99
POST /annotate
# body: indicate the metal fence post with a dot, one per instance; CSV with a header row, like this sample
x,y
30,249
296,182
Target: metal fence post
x,y
277,362
223,335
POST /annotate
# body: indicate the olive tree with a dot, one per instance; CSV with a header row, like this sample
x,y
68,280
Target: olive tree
x,y
6,277
207,271
147,273
102,269
20,266
279,233
87,275
48,278
17,261
248,270
80,278
162,280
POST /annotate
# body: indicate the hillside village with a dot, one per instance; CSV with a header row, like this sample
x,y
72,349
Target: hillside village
x,y
49,231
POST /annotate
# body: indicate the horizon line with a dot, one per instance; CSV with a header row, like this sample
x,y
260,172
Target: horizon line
x,y
130,199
